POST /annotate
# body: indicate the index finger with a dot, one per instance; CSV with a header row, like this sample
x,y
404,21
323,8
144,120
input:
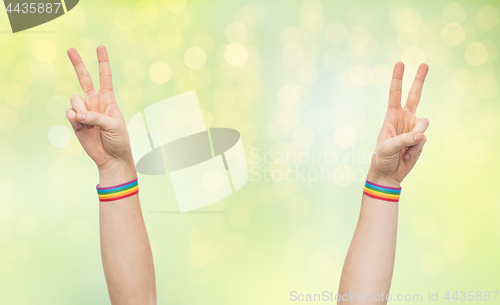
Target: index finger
x,y
105,77
396,85
416,88
81,72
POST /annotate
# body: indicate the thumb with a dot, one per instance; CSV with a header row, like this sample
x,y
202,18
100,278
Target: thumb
x,y
393,145
95,118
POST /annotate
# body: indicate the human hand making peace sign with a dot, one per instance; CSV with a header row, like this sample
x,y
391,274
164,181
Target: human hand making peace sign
x,y
97,122
401,138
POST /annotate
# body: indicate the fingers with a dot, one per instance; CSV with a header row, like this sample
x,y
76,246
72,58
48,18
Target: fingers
x,y
81,72
416,88
396,86
415,150
105,77
95,118
421,125
77,103
71,116
393,145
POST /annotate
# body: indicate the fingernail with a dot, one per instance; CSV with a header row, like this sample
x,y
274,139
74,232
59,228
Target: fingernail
x,y
79,125
417,137
81,116
407,156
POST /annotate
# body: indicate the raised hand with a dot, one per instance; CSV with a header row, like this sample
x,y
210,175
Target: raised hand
x,y
97,122
401,138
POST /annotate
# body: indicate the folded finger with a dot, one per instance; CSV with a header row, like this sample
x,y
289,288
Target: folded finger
x,y
421,125
71,116
415,150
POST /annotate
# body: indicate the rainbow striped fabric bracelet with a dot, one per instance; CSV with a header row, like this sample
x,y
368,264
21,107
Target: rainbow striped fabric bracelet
x,y
381,192
118,192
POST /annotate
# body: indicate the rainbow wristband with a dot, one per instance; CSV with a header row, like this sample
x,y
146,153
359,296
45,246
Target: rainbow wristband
x,y
382,192
118,192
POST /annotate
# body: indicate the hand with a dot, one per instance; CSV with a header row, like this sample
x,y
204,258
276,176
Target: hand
x,y
402,138
97,122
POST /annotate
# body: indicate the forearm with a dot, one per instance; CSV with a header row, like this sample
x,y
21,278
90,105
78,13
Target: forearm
x,y
125,249
369,263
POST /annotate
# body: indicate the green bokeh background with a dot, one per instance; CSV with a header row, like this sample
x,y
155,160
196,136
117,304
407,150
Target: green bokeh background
x,y
291,77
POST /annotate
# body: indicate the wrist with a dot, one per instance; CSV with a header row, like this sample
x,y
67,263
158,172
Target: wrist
x,y
381,179
116,172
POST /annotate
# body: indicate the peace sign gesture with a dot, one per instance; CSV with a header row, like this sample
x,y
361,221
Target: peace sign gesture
x,y
97,122
401,138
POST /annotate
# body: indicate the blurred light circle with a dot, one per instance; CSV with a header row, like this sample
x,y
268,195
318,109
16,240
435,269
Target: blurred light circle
x,y
289,94
195,58
455,248
44,50
431,264
236,32
423,224
453,34
6,187
453,12
361,75
334,59
238,218
336,34
462,80
133,72
404,16
233,242
382,75
432,28
17,95
80,230
319,261
175,5
488,17
313,20
160,72
292,37
213,181
59,136
146,12
125,19
345,137
307,73
235,54
303,136
292,56
476,54
408,36
20,252
413,56
487,87
293,250
170,36
198,256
